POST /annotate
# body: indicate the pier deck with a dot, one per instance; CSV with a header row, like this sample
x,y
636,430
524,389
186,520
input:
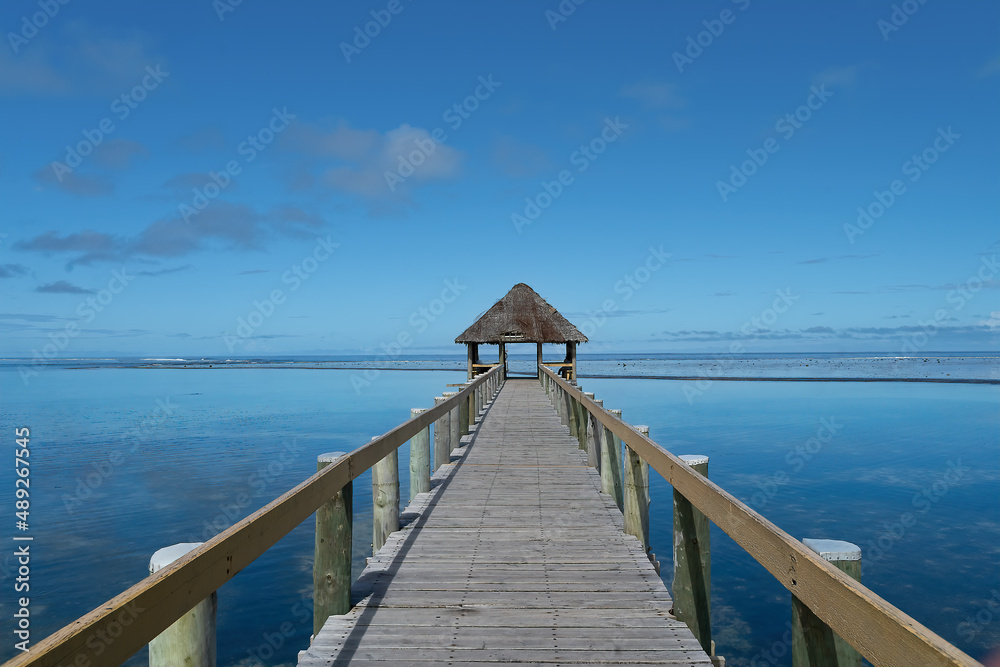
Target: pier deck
x,y
513,556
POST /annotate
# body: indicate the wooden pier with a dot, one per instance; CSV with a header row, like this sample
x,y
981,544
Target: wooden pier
x,y
529,545
513,556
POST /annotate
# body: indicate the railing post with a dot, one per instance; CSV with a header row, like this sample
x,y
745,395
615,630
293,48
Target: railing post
x,y
442,434
611,464
475,397
190,640
637,494
559,403
465,412
593,439
814,644
569,406
572,416
692,588
420,459
581,421
385,499
563,413
453,423
332,555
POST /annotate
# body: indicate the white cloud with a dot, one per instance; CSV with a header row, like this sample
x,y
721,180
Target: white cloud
x,y
355,161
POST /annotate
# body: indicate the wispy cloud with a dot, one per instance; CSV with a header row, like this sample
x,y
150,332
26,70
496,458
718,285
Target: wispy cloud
x,y
620,313
77,58
161,272
655,95
224,225
207,139
660,98
12,270
89,246
30,317
119,154
519,159
75,183
181,185
822,333
946,287
94,179
837,76
823,260
62,287
991,68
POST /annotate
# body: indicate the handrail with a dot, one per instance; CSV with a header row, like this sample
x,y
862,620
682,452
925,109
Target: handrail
x,y
881,632
114,631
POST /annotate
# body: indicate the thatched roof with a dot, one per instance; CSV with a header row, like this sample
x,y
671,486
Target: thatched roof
x,y
521,317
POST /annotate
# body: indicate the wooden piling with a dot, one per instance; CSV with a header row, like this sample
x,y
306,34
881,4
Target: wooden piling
x,y
453,423
592,439
564,407
569,407
611,464
465,412
559,402
572,414
442,436
420,459
332,555
385,498
814,644
190,640
692,587
637,494
580,418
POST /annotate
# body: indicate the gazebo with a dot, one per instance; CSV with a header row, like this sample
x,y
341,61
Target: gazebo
x,y
522,317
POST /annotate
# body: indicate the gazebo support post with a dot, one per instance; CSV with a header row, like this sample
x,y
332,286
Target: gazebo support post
x,y
473,359
571,359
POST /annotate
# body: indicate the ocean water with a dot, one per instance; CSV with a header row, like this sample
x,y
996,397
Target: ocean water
x,y
128,458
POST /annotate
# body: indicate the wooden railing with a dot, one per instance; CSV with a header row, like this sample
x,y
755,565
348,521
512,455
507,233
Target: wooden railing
x,y
110,634
876,629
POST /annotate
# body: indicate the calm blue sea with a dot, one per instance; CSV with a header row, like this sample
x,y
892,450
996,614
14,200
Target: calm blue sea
x,y
129,456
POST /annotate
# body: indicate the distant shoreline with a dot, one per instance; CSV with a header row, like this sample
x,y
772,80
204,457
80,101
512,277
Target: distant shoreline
x,y
790,379
682,378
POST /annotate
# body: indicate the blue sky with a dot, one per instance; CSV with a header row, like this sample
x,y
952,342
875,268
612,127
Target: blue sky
x,y
218,179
